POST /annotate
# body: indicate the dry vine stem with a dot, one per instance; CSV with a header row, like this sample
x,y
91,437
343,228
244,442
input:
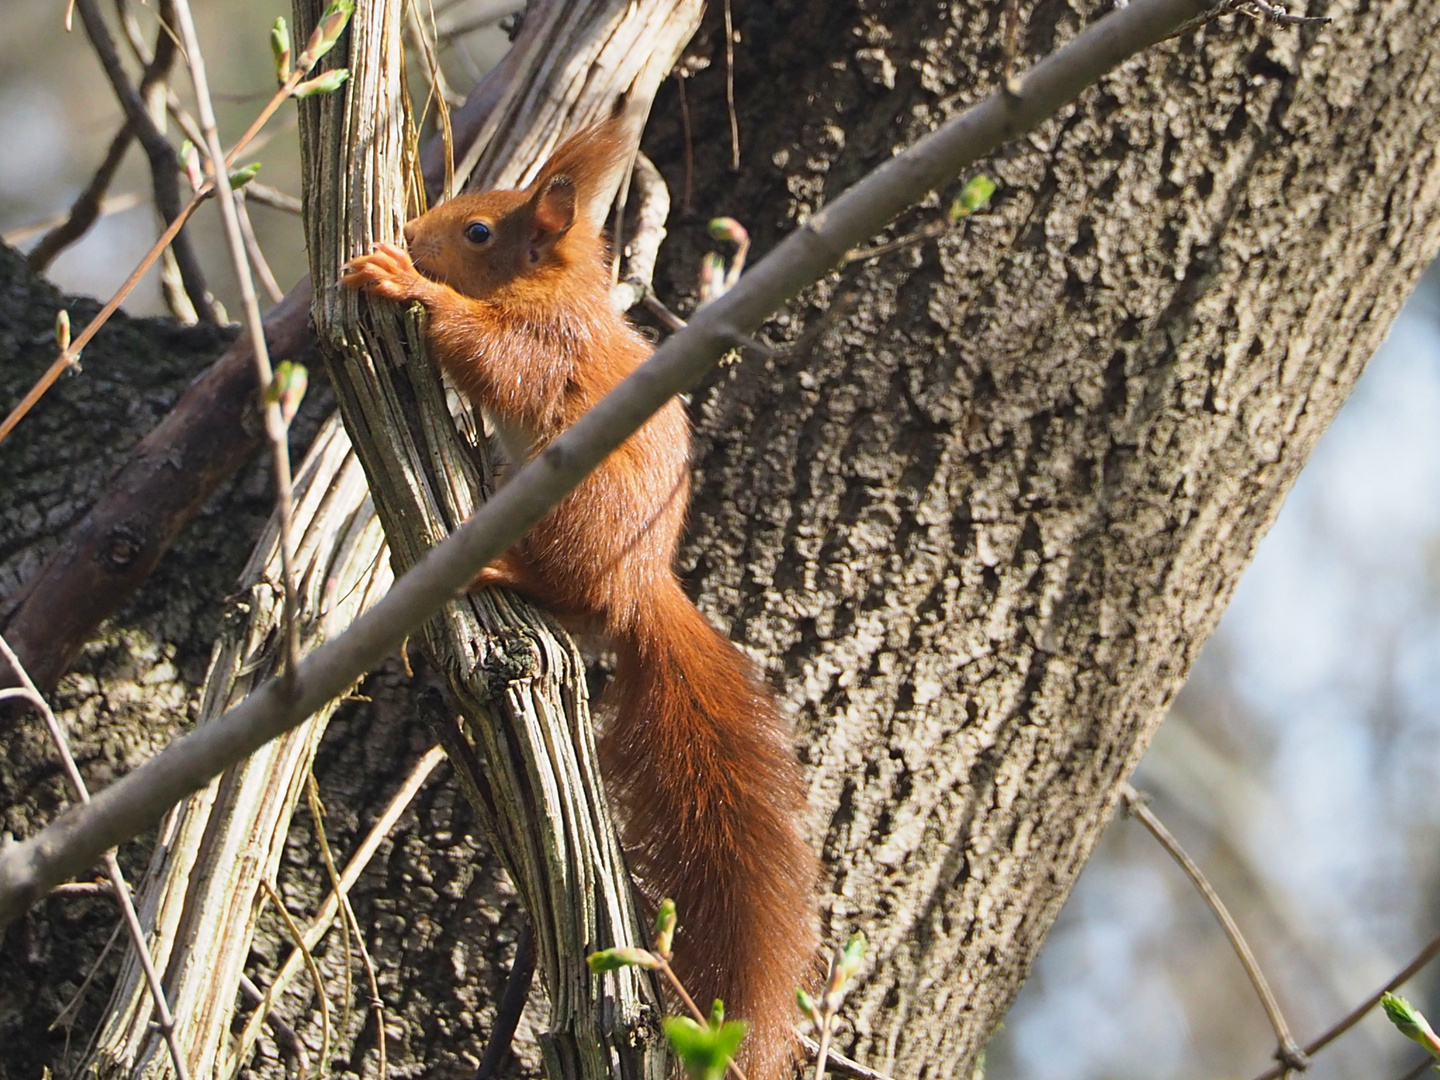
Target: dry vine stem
x,y
348,512
76,838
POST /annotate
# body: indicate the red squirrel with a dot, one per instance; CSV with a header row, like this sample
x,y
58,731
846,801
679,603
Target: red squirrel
x,y
695,754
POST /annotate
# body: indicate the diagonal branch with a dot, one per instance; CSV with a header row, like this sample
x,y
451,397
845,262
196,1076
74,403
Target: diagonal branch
x,y
77,837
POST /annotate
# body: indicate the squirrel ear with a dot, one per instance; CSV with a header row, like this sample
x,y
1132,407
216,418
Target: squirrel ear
x,y
554,206
592,163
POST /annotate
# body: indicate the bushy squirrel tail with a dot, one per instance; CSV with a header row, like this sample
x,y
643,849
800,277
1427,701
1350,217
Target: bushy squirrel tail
x,y
712,801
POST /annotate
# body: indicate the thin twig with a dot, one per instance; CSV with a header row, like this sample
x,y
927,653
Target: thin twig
x,y
77,837
730,89
112,865
1288,1052
1330,1034
285,1035
276,429
352,924
309,957
511,1006
164,162
258,262
89,206
689,1002
688,141
840,1064
317,817
274,198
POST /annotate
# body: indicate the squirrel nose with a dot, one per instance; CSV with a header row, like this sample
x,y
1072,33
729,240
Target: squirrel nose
x,y
410,233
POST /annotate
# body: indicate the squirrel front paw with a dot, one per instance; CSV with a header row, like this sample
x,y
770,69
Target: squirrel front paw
x,y
387,271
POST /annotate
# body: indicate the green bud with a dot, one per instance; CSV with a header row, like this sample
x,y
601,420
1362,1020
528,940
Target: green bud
x,y
243,175
280,48
665,920
287,388
973,197
615,959
853,953
807,1006
1411,1022
326,33
726,228
322,84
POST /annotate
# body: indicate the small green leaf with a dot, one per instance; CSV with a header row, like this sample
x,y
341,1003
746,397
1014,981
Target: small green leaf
x,y
973,197
243,175
807,1006
1411,1022
615,959
665,920
280,48
705,1050
322,84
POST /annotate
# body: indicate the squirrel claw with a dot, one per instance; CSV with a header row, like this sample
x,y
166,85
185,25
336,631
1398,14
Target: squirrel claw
x,y
387,272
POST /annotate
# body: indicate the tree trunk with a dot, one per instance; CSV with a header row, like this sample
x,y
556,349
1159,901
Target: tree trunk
x,y
982,509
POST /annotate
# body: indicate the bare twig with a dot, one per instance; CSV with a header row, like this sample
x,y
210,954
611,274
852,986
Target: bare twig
x,y
258,262
164,162
274,198
840,1064
687,139
72,841
285,1035
308,956
88,207
1330,1034
276,428
350,923
112,866
730,89
511,1006
1288,1051
1257,10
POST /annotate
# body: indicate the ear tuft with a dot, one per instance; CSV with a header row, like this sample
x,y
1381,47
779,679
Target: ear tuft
x,y
555,206
593,163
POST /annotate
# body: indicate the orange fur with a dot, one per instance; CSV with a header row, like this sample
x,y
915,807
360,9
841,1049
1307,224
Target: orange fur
x,y
697,755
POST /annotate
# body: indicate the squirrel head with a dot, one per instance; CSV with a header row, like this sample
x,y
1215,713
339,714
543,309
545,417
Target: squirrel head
x,y
483,245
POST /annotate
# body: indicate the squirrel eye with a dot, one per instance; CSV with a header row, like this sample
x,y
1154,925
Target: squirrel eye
x,y
477,232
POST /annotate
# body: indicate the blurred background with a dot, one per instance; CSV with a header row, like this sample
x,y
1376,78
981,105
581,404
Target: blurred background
x,y
1293,767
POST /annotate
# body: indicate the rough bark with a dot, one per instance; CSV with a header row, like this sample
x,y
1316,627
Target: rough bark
x,y
979,515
